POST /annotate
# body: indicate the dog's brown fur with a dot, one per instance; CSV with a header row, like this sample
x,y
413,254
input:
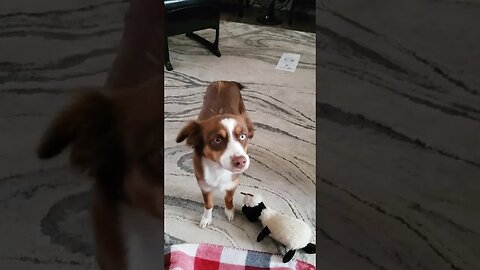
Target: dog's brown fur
x,y
115,135
118,141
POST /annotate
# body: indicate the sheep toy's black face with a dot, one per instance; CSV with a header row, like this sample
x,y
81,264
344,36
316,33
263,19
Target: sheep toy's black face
x,y
253,206
253,213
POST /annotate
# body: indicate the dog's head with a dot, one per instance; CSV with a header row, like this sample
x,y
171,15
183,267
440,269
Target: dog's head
x,y
222,139
117,140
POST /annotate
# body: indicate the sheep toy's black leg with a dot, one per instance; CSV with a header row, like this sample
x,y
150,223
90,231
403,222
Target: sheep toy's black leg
x,y
263,234
310,248
288,256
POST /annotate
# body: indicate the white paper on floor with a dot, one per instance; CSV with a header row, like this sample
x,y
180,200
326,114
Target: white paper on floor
x,y
288,62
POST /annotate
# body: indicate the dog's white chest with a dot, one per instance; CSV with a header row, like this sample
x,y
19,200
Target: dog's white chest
x,y
216,177
143,237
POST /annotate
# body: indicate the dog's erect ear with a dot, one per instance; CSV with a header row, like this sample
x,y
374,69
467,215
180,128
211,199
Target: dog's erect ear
x,y
249,127
192,132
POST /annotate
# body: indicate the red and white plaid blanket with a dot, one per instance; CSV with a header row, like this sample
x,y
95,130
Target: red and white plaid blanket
x,y
215,257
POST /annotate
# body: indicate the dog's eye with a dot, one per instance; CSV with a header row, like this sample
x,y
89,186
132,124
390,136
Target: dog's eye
x,y
243,137
218,139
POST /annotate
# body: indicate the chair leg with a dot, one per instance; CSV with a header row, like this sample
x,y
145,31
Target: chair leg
x,y
292,11
240,12
212,47
215,43
168,65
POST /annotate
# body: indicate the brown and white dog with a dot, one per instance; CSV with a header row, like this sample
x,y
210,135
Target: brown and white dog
x,y
219,137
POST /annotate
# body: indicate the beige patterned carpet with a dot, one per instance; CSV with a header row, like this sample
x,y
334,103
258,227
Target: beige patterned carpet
x,y
282,106
398,103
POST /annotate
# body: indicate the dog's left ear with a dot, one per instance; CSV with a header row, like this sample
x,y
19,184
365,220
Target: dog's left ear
x,y
249,127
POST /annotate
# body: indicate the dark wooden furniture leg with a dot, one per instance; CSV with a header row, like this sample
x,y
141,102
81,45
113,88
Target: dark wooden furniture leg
x,y
240,11
168,64
292,12
212,47
187,17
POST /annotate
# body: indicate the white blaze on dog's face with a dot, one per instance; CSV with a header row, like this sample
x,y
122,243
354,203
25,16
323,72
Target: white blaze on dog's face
x,y
234,158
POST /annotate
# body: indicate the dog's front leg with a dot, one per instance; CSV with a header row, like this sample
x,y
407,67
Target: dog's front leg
x,y
207,209
229,210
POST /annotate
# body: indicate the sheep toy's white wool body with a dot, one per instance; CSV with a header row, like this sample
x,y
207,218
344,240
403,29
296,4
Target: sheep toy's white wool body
x,y
292,232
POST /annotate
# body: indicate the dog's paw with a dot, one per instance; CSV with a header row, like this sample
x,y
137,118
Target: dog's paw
x,y
206,218
204,222
230,213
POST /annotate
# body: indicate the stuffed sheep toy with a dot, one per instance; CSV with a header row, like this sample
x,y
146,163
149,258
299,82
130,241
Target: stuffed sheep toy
x,y
291,232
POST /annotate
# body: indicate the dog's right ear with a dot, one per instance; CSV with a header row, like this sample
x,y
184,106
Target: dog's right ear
x,y
250,128
192,132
